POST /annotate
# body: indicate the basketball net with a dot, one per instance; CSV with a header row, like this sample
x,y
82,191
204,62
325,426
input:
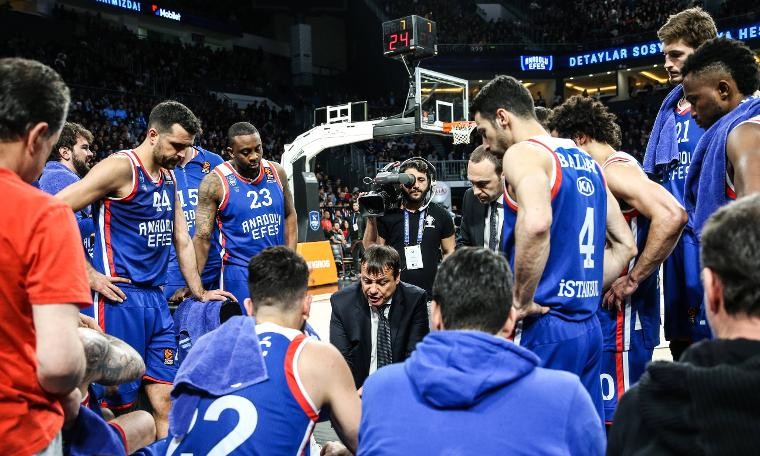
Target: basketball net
x,y
460,130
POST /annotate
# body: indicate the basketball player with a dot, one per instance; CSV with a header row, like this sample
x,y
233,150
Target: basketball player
x,y
194,167
249,199
720,81
556,240
630,316
277,415
69,161
136,223
667,159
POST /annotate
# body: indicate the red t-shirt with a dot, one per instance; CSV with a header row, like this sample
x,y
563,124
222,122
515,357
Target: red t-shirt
x,y
41,262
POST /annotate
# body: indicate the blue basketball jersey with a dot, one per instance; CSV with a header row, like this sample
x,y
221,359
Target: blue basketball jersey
x,y
276,416
251,216
687,134
55,177
642,309
571,285
189,179
133,234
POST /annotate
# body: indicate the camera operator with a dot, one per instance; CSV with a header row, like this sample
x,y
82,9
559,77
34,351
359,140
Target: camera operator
x,y
422,232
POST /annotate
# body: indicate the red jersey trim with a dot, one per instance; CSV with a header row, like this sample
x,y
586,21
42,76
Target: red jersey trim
x,y
145,171
130,155
245,179
291,374
225,188
557,167
107,233
121,432
276,174
155,380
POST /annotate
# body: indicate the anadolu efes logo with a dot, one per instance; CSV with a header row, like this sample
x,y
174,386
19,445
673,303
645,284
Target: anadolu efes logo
x,y
585,186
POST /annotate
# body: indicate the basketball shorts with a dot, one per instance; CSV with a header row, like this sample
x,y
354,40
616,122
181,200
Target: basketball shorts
x,y
144,322
621,370
683,293
572,346
91,434
175,281
235,280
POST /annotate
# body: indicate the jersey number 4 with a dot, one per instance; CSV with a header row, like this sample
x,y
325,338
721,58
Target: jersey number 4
x,y
248,418
266,198
586,239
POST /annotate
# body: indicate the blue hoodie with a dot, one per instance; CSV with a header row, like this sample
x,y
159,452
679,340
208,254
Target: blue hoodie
x,y
468,392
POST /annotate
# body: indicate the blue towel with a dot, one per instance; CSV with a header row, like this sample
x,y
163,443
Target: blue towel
x,y
223,361
705,190
192,319
55,177
662,148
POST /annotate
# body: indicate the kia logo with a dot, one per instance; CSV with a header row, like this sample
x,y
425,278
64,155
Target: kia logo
x,y
585,186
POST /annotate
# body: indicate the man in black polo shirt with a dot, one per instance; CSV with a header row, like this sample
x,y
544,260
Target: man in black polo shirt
x,y
422,232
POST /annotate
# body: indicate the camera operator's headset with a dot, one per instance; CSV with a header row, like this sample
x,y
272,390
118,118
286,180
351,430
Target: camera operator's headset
x,y
431,175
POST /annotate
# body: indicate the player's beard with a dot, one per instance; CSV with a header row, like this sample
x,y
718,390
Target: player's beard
x,y
164,161
81,167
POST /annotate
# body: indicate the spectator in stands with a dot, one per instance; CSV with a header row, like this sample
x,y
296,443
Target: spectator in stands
x,y
380,320
465,381
707,403
43,281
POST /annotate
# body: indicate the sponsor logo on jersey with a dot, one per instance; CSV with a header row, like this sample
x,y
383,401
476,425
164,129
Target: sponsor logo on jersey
x,y
314,220
585,186
169,356
206,167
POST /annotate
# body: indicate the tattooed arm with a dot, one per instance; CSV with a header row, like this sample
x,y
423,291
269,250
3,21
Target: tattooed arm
x,y
209,199
110,361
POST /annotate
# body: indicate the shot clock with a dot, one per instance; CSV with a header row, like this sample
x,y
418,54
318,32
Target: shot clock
x,y
410,37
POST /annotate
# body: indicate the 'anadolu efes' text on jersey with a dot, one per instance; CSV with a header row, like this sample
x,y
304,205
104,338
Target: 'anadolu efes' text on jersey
x,y
571,285
251,215
133,234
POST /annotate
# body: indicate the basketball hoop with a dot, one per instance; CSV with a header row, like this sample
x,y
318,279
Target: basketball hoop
x,y
460,130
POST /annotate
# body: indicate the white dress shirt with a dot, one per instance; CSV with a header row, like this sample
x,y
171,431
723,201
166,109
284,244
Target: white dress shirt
x,y
487,229
374,314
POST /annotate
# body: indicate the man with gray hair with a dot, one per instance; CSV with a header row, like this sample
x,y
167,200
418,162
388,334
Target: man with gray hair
x,y
707,403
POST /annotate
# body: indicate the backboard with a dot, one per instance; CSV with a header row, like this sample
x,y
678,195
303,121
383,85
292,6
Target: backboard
x,y
441,98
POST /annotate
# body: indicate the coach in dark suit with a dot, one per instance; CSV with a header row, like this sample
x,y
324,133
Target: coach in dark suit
x,y
483,204
379,320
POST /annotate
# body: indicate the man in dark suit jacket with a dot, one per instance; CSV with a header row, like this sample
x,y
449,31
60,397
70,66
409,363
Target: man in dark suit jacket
x,y
484,197
361,312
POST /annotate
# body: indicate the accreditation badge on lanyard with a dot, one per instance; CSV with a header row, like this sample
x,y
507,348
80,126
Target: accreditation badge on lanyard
x,y
413,253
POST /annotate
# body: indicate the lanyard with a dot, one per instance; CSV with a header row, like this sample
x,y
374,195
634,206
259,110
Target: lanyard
x,y
419,231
